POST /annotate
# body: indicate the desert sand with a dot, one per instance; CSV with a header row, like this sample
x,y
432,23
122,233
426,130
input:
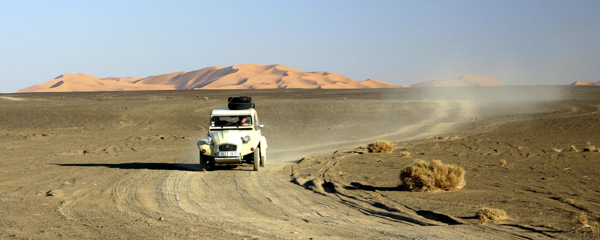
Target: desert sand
x,y
241,76
124,165
583,83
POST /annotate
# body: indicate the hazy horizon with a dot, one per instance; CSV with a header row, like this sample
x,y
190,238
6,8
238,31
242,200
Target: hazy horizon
x,y
399,42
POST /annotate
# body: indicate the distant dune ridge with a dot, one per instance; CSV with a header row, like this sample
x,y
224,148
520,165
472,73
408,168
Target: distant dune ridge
x,y
242,76
582,83
81,82
464,81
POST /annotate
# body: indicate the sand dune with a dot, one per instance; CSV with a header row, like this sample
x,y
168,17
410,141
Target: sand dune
x,y
258,76
242,76
582,83
464,81
81,82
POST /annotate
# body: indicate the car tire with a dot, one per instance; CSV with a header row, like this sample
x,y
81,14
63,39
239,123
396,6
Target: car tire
x,y
263,157
256,158
202,163
211,164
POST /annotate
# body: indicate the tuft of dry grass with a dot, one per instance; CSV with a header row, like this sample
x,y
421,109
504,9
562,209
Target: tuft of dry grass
x,y
557,150
205,98
490,214
585,223
431,176
503,162
381,146
404,154
590,148
572,149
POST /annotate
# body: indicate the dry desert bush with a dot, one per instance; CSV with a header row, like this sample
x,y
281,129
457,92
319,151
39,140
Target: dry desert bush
x,y
404,154
585,223
503,162
590,148
431,176
490,214
573,149
381,146
205,98
557,150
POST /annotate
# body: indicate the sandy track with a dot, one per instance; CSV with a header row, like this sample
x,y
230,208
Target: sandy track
x,y
267,203
136,176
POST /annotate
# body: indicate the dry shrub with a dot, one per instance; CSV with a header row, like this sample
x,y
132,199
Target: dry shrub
x,y
557,150
503,162
585,223
490,214
590,148
573,149
404,154
432,176
381,146
205,98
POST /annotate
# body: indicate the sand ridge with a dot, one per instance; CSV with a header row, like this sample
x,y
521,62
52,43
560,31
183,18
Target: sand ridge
x,y
81,82
583,83
242,76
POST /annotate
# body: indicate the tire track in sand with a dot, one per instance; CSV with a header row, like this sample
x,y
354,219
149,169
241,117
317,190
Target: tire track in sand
x,y
267,203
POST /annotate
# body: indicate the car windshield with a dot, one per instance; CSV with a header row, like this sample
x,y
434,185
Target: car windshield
x,y
230,121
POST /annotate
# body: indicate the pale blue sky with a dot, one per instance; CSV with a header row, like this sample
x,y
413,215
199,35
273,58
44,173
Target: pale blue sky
x,y
523,42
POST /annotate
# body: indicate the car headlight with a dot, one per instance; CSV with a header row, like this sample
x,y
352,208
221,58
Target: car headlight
x,y
246,139
206,140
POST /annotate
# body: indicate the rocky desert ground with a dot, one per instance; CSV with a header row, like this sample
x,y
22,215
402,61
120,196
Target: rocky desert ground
x,y
124,165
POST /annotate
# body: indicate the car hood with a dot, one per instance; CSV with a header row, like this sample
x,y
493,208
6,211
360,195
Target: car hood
x,y
228,136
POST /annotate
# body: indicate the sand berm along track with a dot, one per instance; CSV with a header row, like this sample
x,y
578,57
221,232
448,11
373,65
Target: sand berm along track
x,y
125,166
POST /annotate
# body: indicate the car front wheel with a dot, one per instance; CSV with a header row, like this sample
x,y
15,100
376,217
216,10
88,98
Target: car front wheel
x,y
256,158
202,162
263,157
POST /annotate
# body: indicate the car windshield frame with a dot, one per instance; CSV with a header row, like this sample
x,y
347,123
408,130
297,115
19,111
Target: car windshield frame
x,y
230,121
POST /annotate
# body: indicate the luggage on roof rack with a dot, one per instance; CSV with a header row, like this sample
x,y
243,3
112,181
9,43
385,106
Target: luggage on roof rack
x,y
239,103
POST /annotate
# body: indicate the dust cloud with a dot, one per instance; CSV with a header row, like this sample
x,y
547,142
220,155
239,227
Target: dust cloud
x,y
309,126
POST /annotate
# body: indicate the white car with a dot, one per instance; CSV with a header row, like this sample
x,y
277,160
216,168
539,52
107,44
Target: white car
x,y
234,137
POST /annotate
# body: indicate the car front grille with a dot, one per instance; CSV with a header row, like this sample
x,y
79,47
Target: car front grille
x,y
227,147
